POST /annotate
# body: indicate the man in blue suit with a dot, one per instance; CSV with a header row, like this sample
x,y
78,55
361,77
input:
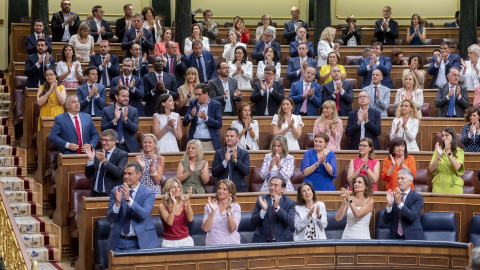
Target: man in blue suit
x,y
203,61
301,38
31,40
107,64
441,63
339,91
134,85
157,83
122,118
36,64
129,212
100,28
92,95
138,35
234,165
404,207
261,47
174,62
140,63
273,208
205,115
376,61
72,132
290,28
297,65
379,94
307,94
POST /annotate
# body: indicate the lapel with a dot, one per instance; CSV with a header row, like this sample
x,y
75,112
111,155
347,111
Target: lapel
x,y
93,24
60,14
69,122
84,120
409,199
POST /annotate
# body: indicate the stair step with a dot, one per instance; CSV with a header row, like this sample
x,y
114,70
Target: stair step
x,y
25,209
31,224
36,239
7,150
19,196
11,171
9,161
44,254
4,96
14,183
5,139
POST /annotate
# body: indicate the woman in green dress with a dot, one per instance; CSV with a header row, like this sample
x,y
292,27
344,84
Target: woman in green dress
x,y
447,164
192,169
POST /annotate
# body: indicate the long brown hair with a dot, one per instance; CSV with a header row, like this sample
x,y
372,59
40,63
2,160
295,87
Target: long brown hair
x,y
454,143
46,85
281,114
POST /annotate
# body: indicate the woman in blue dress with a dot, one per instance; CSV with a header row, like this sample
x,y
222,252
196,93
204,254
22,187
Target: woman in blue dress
x,y
416,34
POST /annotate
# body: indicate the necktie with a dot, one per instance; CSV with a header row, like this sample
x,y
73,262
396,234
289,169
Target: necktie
x,y
38,37
120,126
400,228
139,68
101,175
451,103
159,78
104,74
273,214
200,70
128,217
170,66
79,135
304,105
92,109
126,83
375,94
230,166
338,100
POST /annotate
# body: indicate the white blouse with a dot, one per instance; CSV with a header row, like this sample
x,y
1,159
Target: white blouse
x,y
408,135
324,49
158,32
246,139
229,52
417,98
291,140
471,79
82,49
261,73
188,45
243,80
62,69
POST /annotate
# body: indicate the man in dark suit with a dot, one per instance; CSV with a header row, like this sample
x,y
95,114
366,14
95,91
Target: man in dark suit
x,y
274,214
209,29
123,118
297,65
290,27
134,85
352,35
107,64
376,61
302,38
261,47
456,23
157,83
129,213
73,131
37,63
124,23
363,122
339,91
174,63
404,208
92,95
441,63
64,23
452,98
224,89
386,29
203,61
138,35
31,40
100,29
232,162
307,94
140,62
205,116
105,166
267,94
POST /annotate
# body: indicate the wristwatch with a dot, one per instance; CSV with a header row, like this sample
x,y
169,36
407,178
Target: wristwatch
x,y
449,154
366,168
349,202
229,214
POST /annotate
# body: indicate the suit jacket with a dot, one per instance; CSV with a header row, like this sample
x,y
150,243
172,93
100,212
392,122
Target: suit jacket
x,y
294,66
453,61
313,103
136,96
141,218
210,65
35,74
179,70
63,131
94,31
113,70
149,82
214,121
289,30
241,168
293,50
453,24
382,103
385,66
284,220
274,99
257,52
120,25
218,93
357,62
357,33
130,128
211,33
372,128
147,43
441,101
345,101
31,43
142,68
411,211
58,30
383,35
113,171
98,102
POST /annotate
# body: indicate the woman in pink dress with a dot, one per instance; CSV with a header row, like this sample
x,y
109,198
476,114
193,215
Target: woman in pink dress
x,y
364,164
330,124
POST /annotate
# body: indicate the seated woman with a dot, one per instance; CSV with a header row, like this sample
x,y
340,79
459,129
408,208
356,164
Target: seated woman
x,y
364,164
69,68
195,34
271,59
239,26
185,92
152,164
358,209
266,23
471,132
83,43
192,170
277,162
326,45
415,64
329,123
229,48
167,124
176,212
319,165
247,127
416,34
222,217
287,124
241,69
470,72
406,124
397,57
333,60
398,159
447,164
167,36
50,96
310,215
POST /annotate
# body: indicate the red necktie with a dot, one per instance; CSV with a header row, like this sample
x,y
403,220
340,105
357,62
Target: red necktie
x,y
126,82
170,68
79,135
159,77
338,101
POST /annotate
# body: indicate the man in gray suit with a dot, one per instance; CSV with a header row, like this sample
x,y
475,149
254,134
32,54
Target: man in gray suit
x,y
379,94
225,90
452,98
209,28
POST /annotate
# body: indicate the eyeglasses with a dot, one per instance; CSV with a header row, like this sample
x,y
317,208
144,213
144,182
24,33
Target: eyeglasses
x,y
268,74
127,65
363,145
106,140
274,185
137,49
197,94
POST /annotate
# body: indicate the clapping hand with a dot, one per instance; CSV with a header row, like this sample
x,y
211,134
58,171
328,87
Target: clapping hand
x,y
132,84
459,89
212,204
263,203
463,63
172,197
439,149
398,196
139,160
345,193
202,115
202,166
390,198
310,213
237,93
193,111
100,154
125,114
450,92
189,194
292,122
118,196
91,154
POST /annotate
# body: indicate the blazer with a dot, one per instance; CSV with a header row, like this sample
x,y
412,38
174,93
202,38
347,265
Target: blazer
x,y
130,127
344,101
241,168
142,68
301,222
113,171
113,70
151,97
471,144
293,50
383,102
357,33
383,35
211,33
210,65
452,24
257,52
35,74
410,136
284,220
63,131
294,66
218,93
97,103
94,31
289,32
214,121
372,128
147,44
453,61
58,30
385,66
141,218
411,211
313,103
136,95
120,25
441,101
260,100
179,69
31,43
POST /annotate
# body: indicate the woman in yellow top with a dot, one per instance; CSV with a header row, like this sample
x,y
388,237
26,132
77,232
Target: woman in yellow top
x,y
325,70
50,96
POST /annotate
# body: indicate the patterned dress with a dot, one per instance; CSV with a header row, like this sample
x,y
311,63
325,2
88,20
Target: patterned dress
x,y
146,178
285,170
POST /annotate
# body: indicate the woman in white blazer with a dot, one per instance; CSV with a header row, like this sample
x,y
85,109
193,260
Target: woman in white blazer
x,y
310,215
406,123
229,49
326,45
241,69
470,73
411,91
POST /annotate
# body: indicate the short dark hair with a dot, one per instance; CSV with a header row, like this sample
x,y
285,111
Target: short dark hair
x,y
376,43
420,60
161,99
110,133
64,58
207,10
41,40
126,6
270,68
445,43
300,200
40,21
86,72
146,9
470,111
322,135
205,88
280,177
232,129
457,13
219,65
139,15
395,142
118,88
105,40
136,165
95,8
196,42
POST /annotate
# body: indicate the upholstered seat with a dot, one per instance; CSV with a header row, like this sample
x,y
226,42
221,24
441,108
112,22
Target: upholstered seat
x,y
335,228
439,226
475,231
382,229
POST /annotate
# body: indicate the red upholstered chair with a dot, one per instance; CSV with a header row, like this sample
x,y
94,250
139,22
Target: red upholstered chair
x,y
428,41
308,141
297,178
339,41
423,181
17,101
256,181
438,138
392,108
453,41
51,154
223,41
216,58
79,187
426,110
353,82
264,140
167,175
469,182
350,58
398,41
210,185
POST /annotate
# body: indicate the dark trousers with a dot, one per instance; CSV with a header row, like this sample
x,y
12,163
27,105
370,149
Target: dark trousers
x,y
124,244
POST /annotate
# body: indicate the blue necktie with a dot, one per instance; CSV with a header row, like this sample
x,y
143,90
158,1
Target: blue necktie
x,y
128,217
104,74
230,167
101,175
120,126
375,94
451,103
201,74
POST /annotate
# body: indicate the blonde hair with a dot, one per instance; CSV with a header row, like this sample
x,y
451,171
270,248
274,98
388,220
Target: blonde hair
x,y
166,190
199,147
328,34
415,81
83,26
283,142
413,112
194,71
156,150
333,106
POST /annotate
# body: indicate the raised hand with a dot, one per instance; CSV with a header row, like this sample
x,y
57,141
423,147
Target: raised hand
x,y
228,155
359,117
212,204
392,159
310,213
125,114
226,93
317,210
132,84
263,203
202,166
144,58
117,114
140,160
459,94
398,196
276,200
118,196
120,82
390,198
189,194
193,111
172,197
439,149
91,154
100,154
463,63
237,93
126,191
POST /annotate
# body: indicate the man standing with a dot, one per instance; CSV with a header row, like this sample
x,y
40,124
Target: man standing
x,y
379,94
301,38
376,61
107,64
100,29
452,98
174,62
224,89
260,48
267,94
297,65
124,23
203,61
31,40
92,95
138,35
37,63
352,35
64,23
441,63
290,27
140,63
307,94
339,91
386,29
209,29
